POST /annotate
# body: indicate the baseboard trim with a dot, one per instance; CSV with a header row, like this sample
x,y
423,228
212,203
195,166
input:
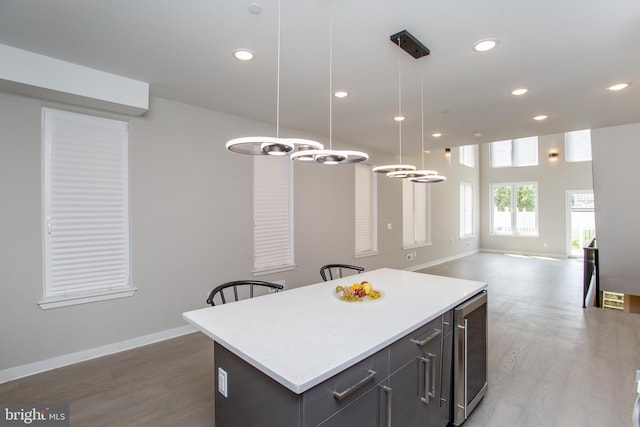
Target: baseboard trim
x,y
442,260
14,373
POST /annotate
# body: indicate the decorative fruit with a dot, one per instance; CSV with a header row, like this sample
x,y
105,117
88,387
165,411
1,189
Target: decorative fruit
x,y
366,286
357,292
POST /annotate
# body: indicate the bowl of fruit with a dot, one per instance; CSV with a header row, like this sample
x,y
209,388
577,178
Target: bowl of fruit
x,y
357,292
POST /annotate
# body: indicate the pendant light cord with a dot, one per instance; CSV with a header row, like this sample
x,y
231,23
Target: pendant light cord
x,y
399,107
278,80
330,74
422,113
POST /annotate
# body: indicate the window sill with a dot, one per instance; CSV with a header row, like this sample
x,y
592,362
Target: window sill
x,y
279,269
514,235
421,245
366,254
67,300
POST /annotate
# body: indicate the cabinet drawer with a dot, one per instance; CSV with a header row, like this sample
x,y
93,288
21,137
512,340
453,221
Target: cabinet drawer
x,y
414,343
338,391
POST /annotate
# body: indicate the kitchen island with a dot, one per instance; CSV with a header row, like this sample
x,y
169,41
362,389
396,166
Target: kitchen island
x,y
277,356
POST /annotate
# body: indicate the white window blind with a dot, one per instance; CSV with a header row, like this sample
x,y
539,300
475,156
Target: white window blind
x,y
468,155
86,199
516,152
466,209
272,213
416,229
366,207
578,146
525,151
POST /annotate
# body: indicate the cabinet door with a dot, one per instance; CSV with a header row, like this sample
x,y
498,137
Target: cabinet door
x,y
368,410
416,390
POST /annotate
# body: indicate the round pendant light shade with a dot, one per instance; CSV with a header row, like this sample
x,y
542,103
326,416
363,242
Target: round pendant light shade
x,y
267,145
260,145
394,168
330,157
429,177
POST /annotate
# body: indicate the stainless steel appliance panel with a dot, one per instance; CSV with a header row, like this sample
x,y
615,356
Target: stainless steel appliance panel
x,y
470,353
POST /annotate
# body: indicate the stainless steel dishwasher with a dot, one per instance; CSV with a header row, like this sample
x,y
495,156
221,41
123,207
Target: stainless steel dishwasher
x,y
470,356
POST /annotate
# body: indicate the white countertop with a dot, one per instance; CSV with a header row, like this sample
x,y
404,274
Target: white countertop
x,y
303,336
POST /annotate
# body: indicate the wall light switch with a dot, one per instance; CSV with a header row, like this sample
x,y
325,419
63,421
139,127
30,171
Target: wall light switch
x,y
222,382
389,226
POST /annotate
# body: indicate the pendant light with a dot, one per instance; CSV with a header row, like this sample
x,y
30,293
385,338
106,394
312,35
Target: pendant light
x,y
425,176
267,145
330,156
399,170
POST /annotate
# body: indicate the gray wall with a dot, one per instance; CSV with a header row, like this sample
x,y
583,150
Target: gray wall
x,y
191,226
616,151
554,179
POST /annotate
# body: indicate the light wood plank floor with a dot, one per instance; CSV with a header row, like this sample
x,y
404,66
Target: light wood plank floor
x,y
551,363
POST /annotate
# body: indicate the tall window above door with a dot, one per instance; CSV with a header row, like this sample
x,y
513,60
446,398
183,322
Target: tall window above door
x,y
578,145
366,211
272,214
514,152
416,214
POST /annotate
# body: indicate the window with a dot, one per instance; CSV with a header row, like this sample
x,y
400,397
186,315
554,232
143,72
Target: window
x,y
366,211
514,152
416,209
578,145
514,209
272,214
466,210
468,155
86,209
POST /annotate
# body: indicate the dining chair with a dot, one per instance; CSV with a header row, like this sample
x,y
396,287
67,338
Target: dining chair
x,y
335,271
241,284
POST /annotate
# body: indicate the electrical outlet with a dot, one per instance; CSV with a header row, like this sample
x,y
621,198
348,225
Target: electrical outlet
x,y
410,257
222,382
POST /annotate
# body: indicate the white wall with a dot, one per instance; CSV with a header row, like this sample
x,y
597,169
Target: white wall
x,y
616,151
554,179
191,226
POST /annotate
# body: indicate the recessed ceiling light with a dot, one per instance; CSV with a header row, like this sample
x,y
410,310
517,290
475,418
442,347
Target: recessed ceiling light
x,y
436,135
520,91
484,45
399,118
540,117
619,86
254,8
243,54
341,94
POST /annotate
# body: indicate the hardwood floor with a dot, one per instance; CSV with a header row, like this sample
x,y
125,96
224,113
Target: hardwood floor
x,y
164,384
551,363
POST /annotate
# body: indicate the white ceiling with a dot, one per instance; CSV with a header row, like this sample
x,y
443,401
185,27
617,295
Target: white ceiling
x,y
565,51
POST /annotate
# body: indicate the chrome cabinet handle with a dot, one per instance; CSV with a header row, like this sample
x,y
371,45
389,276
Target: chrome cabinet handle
x,y
432,389
342,394
464,351
435,334
387,392
427,378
